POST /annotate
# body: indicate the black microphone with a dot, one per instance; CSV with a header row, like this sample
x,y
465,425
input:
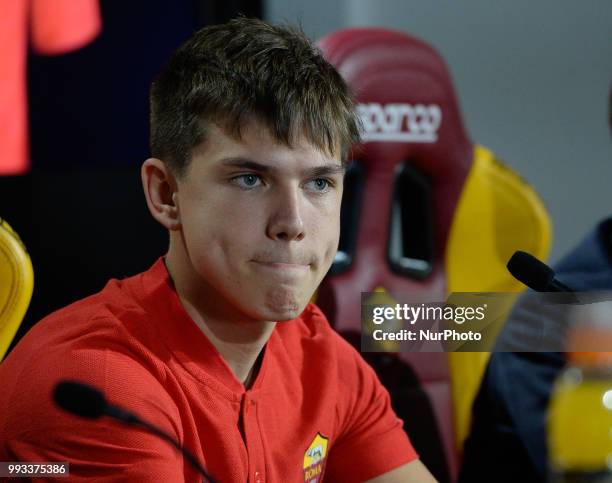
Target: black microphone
x,y
88,402
535,274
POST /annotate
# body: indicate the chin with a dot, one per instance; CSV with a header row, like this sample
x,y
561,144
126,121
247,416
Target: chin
x,y
285,315
284,305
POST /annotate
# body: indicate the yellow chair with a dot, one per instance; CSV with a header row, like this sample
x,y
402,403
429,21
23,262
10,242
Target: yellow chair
x,y
16,284
497,213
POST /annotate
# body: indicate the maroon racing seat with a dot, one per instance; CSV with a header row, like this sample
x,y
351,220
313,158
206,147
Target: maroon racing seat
x,y
421,203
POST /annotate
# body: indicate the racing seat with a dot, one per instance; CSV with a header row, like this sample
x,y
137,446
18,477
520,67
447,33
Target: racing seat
x,y
425,211
16,284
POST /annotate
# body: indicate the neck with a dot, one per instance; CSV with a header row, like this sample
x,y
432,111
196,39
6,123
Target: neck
x,y
239,343
239,339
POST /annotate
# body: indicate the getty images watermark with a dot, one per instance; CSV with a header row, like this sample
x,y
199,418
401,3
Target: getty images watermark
x,y
423,313
410,324
472,322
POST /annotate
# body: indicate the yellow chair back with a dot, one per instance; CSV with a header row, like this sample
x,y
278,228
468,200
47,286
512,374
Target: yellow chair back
x,y
497,213
16,284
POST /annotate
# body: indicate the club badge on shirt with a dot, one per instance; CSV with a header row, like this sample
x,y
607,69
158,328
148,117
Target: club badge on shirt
x,y
314,459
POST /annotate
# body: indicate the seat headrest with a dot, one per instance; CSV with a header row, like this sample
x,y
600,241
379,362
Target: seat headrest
x,y
406,101
415,150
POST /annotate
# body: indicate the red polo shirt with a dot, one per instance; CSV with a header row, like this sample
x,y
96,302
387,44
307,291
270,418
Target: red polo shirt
x,y
315,410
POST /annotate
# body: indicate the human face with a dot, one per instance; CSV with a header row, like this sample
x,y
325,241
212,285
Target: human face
x,y
260,221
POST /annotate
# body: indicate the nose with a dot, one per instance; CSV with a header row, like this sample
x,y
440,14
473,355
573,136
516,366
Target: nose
x,y
286,221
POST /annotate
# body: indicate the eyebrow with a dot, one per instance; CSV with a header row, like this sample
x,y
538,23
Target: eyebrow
x,y
325,170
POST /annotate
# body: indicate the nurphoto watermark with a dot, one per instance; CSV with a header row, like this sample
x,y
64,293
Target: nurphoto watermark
x,y
478,322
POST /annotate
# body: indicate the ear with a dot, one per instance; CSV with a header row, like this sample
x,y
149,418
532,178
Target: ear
x,y
160,186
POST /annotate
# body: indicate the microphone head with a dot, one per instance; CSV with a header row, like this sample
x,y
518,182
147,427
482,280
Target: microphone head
x,y
80,399
532,272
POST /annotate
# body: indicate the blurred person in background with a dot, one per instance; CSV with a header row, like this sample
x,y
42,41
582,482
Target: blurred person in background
x,y
508,435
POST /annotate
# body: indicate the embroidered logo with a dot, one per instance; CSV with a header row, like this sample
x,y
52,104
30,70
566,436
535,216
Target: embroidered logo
x,y
314,459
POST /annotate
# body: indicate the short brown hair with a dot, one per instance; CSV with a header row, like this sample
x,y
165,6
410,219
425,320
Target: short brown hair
x,y
248,69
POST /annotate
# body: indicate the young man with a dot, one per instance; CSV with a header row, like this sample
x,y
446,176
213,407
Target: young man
x,y
216,343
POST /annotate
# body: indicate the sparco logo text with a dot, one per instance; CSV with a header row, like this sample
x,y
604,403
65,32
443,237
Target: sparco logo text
x,y
418,123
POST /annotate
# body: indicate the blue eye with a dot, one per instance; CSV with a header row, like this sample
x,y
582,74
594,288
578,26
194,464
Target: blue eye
x,y
320,185
247,181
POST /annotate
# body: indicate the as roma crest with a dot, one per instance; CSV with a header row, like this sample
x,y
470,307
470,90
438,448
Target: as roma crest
x,y
314,459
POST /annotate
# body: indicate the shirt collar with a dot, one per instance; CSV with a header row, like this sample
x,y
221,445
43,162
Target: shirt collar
x,y
185,340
